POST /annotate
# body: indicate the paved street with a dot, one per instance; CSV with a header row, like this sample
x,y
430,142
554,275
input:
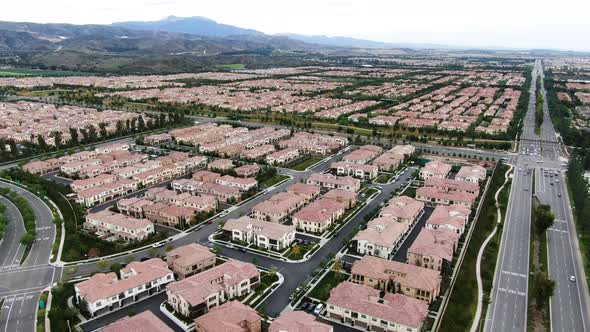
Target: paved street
x,y
508,308
569,304
10,247
20,286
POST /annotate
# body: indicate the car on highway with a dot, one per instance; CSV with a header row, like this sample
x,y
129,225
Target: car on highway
x,y
158,245
558,194
572,278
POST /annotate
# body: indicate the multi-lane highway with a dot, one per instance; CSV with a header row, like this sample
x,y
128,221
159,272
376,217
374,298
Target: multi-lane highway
x,y
569,305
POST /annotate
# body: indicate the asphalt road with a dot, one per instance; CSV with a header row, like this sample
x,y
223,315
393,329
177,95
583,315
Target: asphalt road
x,y
569,304
11,249
20,286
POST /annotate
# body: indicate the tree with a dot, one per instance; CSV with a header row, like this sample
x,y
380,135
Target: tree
x,y
337,267
27,239
57,138
102,264
153,252
42,144
116,267
544,218
273,270
544,288
74,136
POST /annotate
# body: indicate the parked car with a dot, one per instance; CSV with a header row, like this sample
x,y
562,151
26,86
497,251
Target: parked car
x,y
318,309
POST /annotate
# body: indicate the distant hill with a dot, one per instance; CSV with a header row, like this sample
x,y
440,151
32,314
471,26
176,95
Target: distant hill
x,y
23,36
339,41
194,25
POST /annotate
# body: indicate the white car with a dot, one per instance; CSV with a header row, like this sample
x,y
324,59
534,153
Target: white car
x,y
573,278
318,309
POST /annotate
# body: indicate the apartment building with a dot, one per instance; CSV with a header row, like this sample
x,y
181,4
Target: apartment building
x,y
381,238
453,185
363,155
362,307
220,192
197,294
434,196
221,165
244,184
40,167
388,162
319,215
112,226
230,316
361,171
435,169
260,233
145,321
80,185
104,292
278,208
452,217
247,171
395,277
105,192
133,206
307,191
282,156
329,181
258,152
432,248
111,148
403,209
349,198
298,321
157,139
474,174
190,259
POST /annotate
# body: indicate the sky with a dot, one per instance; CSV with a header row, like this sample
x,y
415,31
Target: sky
x,y
563,24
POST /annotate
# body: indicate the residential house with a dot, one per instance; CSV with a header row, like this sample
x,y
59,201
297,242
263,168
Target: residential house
x,y
195,295
435,169
230,316
432,248
330,181
362,307
260,233
105,292
190,259
395,277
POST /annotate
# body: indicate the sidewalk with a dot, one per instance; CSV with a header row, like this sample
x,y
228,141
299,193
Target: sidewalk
x,y
476,318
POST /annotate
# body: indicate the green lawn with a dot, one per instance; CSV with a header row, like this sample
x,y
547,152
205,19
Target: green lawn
x,y
410,192
273,180
383,178
463,302
299,250
302,164
322,290
231,66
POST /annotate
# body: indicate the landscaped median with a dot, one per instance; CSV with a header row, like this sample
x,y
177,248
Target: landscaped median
x,y
462,304
304,163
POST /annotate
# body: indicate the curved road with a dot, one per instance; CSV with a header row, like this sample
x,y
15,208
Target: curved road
x,y
20,286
